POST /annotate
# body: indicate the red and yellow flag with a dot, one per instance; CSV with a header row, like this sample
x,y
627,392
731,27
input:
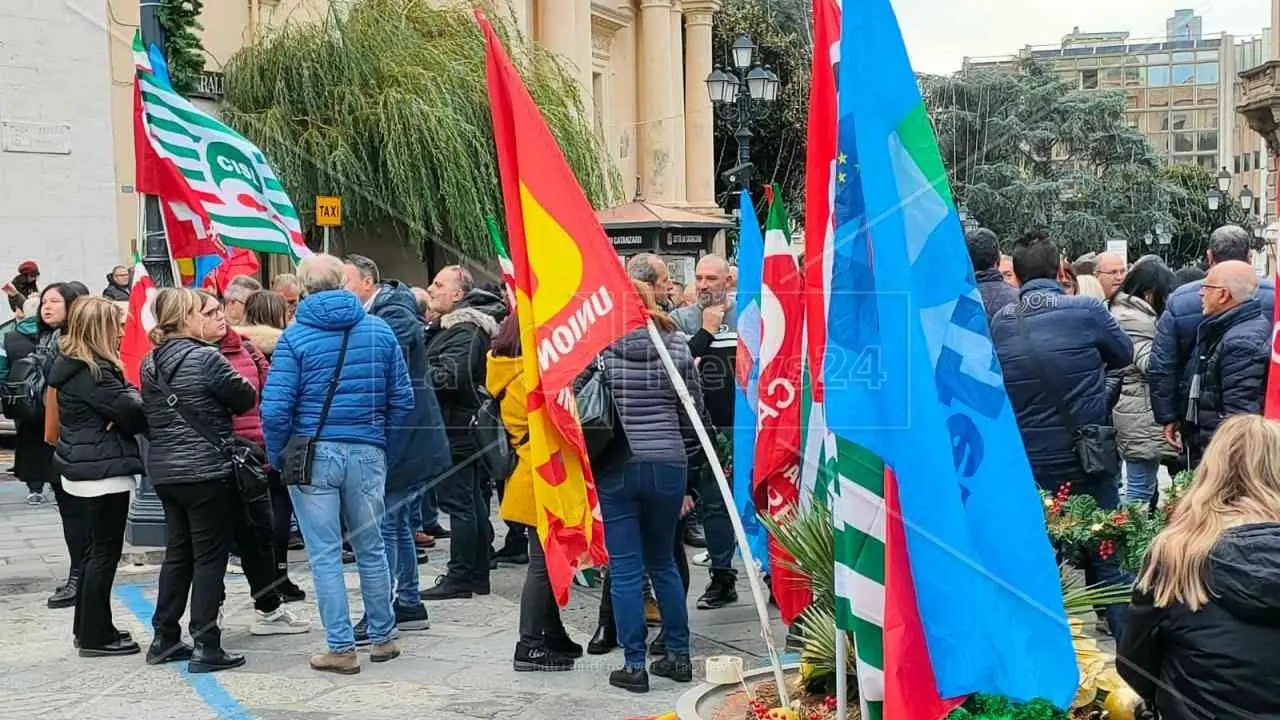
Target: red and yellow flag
x,y
573,299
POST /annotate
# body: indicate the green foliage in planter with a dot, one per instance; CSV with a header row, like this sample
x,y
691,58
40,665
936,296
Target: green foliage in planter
x,y
388,106
996,707
183,52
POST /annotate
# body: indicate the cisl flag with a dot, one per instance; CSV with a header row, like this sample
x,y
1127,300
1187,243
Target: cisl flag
x,y
135,343
573,299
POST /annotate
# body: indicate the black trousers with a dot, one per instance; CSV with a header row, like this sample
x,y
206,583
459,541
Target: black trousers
x,y
254,530
75,525
539,614
105,517
281,513
200,524
464,495
682,566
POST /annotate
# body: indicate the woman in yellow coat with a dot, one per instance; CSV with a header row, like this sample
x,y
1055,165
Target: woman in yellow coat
x,y
544,645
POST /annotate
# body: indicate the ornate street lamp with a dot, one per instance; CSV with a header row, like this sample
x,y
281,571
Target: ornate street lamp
x,y
1246,199
1214,198
742,94
1224,181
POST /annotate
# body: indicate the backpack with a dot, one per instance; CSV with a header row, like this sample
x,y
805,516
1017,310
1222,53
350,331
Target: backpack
x,y
22,392
496,456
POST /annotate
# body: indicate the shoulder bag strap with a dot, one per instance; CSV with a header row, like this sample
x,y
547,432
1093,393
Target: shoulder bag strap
x,y
1039,364
171,399
333,383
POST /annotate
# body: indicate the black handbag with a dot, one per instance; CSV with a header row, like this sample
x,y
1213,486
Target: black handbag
x,y
1094,446
299,453
247,460
602,429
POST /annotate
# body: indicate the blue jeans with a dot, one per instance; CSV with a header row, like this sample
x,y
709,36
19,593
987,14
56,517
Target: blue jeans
x,y
1142,480
347,483
641,502
397,536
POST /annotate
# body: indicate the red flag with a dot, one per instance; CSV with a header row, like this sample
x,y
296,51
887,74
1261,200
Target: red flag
x,y
910,690
820,158
1272,408
239,262
573,299
776,470
135,343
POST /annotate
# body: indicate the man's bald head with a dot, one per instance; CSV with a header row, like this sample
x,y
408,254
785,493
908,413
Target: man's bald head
x,y
1227,285
1110,271
711,277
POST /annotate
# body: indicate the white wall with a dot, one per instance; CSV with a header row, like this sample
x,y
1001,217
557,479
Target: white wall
x,y
57,199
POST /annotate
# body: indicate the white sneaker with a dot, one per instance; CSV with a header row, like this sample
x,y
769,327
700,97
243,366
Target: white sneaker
x,y
280,622
702,559
233,566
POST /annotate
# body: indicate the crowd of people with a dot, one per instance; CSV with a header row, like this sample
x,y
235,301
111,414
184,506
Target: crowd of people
x,y
379,384
1115,368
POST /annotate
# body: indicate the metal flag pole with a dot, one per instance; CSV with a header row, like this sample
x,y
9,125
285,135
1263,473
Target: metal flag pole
x,y
154,240
842,673
740,534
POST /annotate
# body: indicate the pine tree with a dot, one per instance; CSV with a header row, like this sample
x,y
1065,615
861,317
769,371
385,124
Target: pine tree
x,y
182,48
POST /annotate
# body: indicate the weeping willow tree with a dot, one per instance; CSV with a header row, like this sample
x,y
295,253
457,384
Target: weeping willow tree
x,y
388,107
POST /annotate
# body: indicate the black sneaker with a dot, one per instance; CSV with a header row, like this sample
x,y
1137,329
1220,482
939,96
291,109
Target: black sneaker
x,y
634,680
162,652
348,557
562,645
295,541
539,659
604,641
448,588
693,535
412,618
290,592
514,550
721,591
436,531
673,667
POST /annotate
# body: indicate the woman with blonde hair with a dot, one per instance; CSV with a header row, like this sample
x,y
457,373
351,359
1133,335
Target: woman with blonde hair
x,y
97,416
194,479
1204,628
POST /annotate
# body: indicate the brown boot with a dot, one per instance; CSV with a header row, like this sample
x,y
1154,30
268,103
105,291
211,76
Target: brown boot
x,y
651,614
384,651
343,663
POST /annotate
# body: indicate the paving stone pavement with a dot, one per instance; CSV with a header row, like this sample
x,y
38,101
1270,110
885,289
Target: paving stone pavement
x,y
459,669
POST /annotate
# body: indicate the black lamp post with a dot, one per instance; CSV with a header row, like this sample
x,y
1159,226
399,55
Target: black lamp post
x,y
742,94
1216,197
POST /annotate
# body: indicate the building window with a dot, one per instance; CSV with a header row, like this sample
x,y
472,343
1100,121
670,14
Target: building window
x,y
597,103
1242,163
1207,95
1160,141
1208,119
1207,55
1135,77
1089,79
1182,57
1158,59
1158,98
1183,74
1111,78
1207,73
1184,142
1180,120
1257,159
1158,76
1208,162
1237,159
1208,141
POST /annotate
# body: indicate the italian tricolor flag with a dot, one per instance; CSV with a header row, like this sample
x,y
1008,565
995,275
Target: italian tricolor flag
x,y
135,343
504,261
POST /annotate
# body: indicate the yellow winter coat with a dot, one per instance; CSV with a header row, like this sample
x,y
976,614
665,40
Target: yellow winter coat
x,y
507,373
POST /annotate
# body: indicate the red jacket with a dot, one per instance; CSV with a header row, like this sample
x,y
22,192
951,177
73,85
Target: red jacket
x,y
252,365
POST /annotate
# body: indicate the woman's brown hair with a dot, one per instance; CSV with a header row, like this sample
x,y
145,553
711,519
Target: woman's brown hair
x,y
266,307
172,307
93,334
660,318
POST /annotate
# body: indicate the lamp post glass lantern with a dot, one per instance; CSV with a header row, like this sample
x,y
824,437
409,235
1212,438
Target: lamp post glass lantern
x,y
1224,181
742,94
1246,198
1213,198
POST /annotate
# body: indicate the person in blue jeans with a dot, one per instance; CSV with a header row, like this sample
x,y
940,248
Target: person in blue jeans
x,y
416,452
643,498
339,377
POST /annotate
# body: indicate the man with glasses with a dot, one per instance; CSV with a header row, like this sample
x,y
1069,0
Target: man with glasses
x,y
236,295
287,285
1110,273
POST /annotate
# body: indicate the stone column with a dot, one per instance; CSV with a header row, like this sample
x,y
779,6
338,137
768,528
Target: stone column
x,y
557,28
677,102
699,125
582,52
656,116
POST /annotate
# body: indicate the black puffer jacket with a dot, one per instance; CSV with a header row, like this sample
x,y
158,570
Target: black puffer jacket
x,y
1222,661
97,421
457,344
652,415
209,389
1232,354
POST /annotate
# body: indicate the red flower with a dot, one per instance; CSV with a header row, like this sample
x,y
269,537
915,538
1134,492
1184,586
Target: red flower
x,y
1120,519
1106,549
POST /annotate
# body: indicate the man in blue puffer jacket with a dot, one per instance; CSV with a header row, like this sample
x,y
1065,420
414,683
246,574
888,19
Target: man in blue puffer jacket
x,y
373,398
1169,372
1059,355
418,452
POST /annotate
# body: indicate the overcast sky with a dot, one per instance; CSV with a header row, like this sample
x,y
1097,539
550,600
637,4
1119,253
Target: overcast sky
x,y
940,33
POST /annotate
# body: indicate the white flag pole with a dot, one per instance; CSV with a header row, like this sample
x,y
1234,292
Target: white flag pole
x,y
842,673
740,534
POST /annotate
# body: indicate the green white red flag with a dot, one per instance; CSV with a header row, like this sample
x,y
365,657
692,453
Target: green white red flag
x,y
504,260
135,343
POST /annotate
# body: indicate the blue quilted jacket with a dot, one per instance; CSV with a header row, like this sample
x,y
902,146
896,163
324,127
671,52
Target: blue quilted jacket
x,y
374,392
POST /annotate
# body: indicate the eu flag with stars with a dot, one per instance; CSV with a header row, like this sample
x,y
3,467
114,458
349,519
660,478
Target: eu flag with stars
x,y
920,386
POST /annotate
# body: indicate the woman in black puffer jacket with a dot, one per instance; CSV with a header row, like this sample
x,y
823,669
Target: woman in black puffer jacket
x,y
643,499
192,477
97,457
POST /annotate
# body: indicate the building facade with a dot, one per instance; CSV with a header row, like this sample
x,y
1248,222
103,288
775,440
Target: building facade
x,y
641,65
56,181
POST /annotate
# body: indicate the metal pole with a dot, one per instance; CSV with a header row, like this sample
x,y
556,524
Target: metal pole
x,y
155,244
326,239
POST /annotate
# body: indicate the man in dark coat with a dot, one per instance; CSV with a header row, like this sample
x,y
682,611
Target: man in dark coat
x,y
416,453
24,285
1055,351
1170,369
984,252
1232,353
458,339
118,281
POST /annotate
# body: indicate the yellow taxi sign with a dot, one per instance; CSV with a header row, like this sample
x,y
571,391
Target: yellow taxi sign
x,y
328,210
